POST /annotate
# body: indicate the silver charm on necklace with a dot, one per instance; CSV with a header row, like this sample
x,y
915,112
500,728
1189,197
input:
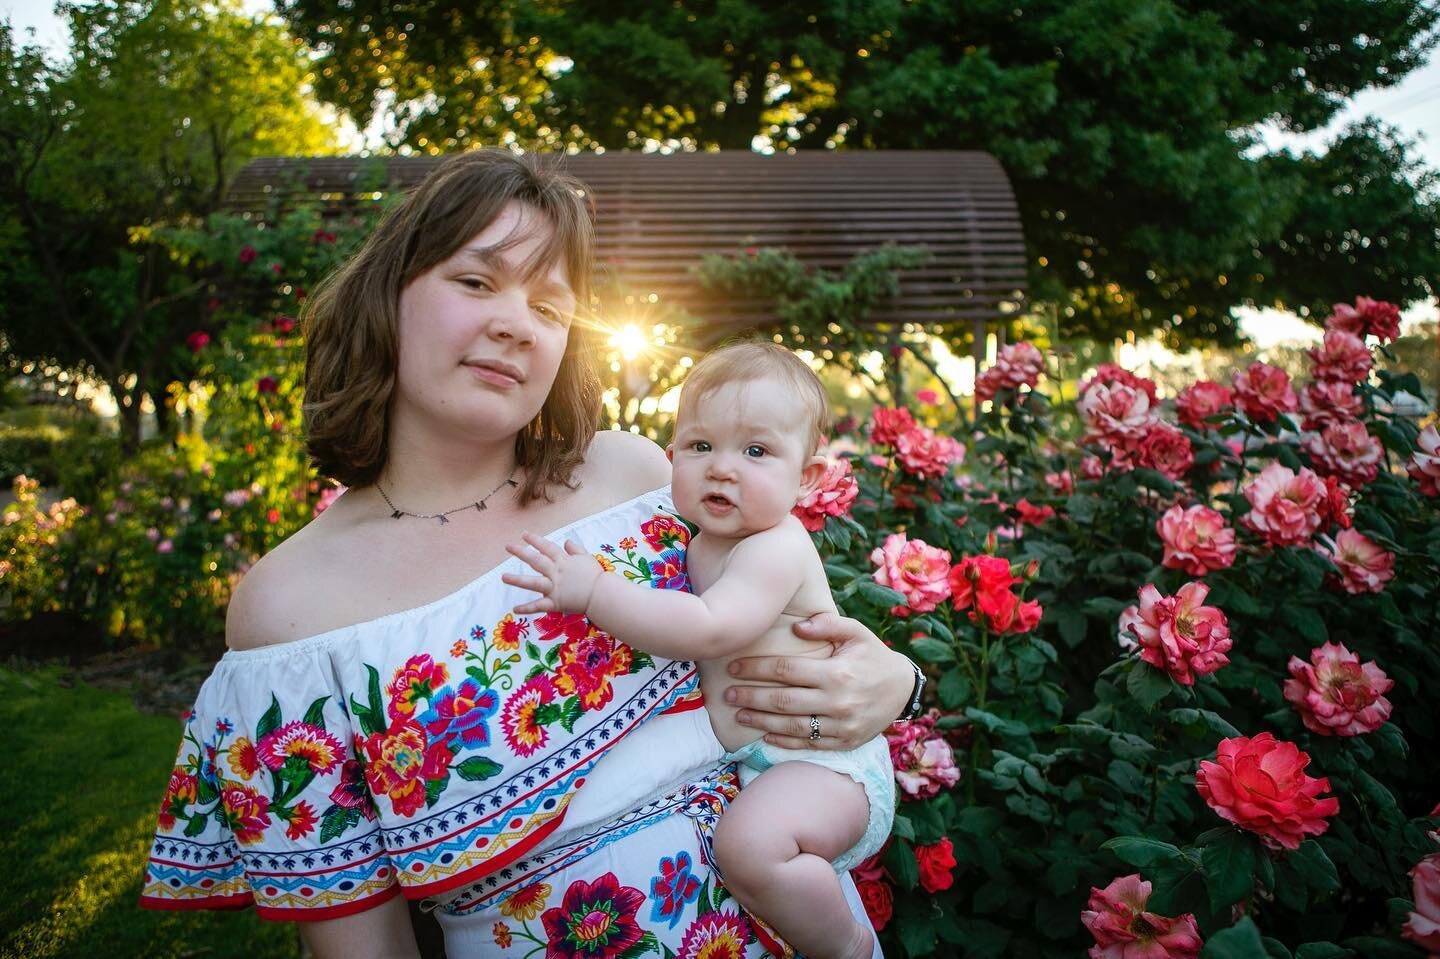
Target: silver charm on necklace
x,y
443,519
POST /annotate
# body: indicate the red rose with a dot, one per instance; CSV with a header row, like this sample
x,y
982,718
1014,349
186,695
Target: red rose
x,y
1260,784
197,341
878,900
1202,400
267,384
283,324
247,254
936,863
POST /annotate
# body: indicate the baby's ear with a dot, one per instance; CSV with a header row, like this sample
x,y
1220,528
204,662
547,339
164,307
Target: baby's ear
x,y
811,474
670,452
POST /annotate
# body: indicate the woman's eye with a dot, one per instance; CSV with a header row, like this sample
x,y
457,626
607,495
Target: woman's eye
x,y
755,451
475,283
549,312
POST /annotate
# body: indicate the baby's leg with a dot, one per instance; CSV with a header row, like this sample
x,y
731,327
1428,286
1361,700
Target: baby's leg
x,y
774,845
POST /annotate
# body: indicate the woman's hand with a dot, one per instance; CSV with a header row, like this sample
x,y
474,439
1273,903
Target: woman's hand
x,y
855,694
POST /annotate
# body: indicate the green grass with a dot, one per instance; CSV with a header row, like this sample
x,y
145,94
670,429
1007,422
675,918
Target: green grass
x,y
80,785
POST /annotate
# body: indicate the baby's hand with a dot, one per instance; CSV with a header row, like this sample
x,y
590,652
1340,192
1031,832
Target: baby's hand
x,y
565,579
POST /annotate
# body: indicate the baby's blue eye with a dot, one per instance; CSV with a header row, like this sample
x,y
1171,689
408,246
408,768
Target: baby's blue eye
x,y
755,451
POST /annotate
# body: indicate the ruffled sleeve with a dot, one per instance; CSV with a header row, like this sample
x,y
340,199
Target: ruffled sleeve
x,y
267,803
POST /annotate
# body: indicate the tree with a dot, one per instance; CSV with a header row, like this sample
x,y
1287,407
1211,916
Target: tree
x,y
159,104
1127,126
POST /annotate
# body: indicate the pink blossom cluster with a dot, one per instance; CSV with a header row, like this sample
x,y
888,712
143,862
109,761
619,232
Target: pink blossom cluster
x,y
1422,926
1201,400
1123,929
1337,695
1108,374
1017,365
1284,505
919,450
924,762
1263,392
1365,566
1424,465
1178,634
832,496
1196,539
1367,317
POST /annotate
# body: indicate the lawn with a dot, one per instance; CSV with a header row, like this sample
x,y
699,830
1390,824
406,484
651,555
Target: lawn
x,y
80,789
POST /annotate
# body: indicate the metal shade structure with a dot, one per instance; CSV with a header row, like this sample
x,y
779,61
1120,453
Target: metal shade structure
x,y
658,214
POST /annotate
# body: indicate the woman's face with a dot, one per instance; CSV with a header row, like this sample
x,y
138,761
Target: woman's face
x,y
480,345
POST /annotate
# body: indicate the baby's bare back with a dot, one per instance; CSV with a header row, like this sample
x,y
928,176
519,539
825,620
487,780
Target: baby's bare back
x,y
813,596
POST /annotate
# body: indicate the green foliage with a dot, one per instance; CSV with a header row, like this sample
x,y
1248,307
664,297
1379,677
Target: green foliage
x,y
86,784
1127,127
1078,759
158,105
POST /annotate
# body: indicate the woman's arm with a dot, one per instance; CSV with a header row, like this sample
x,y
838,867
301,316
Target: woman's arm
x,y
856,693
380,933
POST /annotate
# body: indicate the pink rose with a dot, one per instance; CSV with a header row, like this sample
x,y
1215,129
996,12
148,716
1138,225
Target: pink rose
x,y
1165,449
1367,317
1178,634
1365,566
833,495
887,424
1061,482
1260,784
1091,467
928,397
1196,540
1424,465
1112,374
1423,926
1346,451
197,341
1341,356
1263,392
1202,400
1116,917
1017,365
918,570
924,767
926,453
1116,412
1323,402
1284,505
1335,694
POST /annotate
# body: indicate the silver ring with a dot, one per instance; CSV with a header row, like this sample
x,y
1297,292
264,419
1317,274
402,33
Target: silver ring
x,y
814,728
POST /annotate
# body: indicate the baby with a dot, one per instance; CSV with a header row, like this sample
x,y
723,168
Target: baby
x,y
751,418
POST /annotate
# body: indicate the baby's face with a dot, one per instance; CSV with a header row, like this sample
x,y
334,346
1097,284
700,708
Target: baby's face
x,y
740,456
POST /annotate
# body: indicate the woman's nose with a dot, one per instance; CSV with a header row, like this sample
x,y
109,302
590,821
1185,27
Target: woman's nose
x,y
510,319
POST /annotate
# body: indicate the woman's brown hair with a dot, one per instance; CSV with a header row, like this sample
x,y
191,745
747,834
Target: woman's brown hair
x,y
352,320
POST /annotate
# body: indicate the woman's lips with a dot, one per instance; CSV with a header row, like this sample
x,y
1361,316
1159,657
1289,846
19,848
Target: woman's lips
x,y
493,376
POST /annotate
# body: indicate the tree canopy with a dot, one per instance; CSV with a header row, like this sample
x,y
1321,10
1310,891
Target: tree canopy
x,y
1127,126
157,106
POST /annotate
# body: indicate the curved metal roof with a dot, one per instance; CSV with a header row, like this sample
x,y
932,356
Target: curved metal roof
x,y
657,214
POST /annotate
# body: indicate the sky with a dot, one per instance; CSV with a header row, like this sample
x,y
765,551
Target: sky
x,y
1413,105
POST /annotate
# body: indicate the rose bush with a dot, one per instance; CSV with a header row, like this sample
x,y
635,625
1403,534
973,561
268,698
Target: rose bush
x,y
1252,769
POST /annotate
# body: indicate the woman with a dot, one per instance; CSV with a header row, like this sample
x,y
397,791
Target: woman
x,y
382,724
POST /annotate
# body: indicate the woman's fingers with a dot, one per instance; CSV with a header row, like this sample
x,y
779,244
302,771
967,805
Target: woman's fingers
x,y
790,670
785,700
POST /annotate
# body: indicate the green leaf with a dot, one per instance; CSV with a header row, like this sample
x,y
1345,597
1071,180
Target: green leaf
x,y
954,689
877,595
1240,941
532,651
996,724
929,650
1275,949
979,820
1322,950
336,820
377,704
900,861
1142,851
433,789
1072,624
1314,866
1031,807
917,936
315,715
570,713
902,827
477,768
270,721
1373,947
1229,867
1309,623
1146,684
195,826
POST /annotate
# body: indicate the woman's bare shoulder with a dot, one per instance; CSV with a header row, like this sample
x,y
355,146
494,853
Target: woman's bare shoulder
x,y
279,598
628,463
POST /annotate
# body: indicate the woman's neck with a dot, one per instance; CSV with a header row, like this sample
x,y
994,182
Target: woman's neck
x,y
427,477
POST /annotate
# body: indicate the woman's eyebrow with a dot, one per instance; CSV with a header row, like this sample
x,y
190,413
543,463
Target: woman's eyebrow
x,y
493,260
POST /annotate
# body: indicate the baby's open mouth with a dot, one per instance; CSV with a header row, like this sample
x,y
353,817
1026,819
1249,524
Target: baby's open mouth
x,y
718,501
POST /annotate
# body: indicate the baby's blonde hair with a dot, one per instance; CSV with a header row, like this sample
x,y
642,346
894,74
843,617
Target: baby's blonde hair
x,y
745,361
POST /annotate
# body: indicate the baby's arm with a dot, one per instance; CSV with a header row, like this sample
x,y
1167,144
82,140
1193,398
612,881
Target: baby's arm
x,y
761,577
